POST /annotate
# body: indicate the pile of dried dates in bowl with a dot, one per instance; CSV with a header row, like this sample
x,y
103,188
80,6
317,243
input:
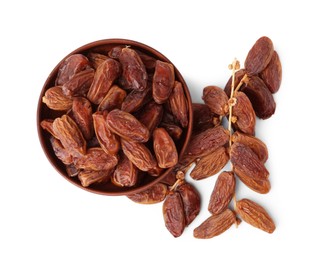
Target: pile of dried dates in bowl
x,y
127,114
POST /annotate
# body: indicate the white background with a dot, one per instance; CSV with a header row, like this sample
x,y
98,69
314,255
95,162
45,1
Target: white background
x,y
42,216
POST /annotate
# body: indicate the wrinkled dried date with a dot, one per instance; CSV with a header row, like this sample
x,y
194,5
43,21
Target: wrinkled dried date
x,y
152,195
113,99
210,164
127,126
106,73
139,155
223,192
82,114
108,141
125,173
163,81
173,213
191,201
259,56
55,99
215,225
216,99
255,215
164,148
272,74
70,136
244,117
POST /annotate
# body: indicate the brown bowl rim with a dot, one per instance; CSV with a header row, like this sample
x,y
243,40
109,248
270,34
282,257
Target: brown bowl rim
x,y
82,49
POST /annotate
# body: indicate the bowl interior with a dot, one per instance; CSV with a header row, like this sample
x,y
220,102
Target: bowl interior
x,y
43,112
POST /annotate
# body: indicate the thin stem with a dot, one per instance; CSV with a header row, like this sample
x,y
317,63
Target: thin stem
x,y
242,81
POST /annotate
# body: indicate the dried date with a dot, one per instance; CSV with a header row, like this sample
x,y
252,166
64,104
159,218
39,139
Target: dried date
x,y
163,81
125,174
223,192
139,155
272,74
178,104
113,99
164,148
55,99
155,194
216,99
173,213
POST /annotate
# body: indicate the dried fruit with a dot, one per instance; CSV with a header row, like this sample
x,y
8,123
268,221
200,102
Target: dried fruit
x,y
96,160
60,151
107,72
244,117
151,115
260,97
173,130
255,144
82,115
163,81
255,215
164,148
272,74
108,141
259,56
260,186
139,155
134,72
216,99
207,141
96,59
191,201
71,66
203,118
246,162
125,173
113,99
127,126
136,99
223,193
88,177
70,136
55,99
215,225
152,195
173,213
210,164
79,84
178,104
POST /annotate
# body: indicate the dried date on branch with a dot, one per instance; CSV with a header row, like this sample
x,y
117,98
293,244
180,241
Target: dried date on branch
x,y
55,99
163,81
164,148
244,117
96,160
259,56
178,104
139,155
223,192
105,75
79,84
127,126
70,136
260,97
260,186
71,66
216,99
82,114
210,164
215,225
238,77
258,146
152,195
134,72
125,173
255,215
207,142
173,213
246,162
108,141
272,74
203,118
191,201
